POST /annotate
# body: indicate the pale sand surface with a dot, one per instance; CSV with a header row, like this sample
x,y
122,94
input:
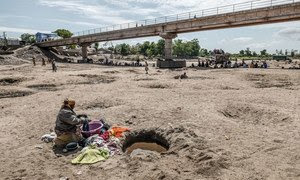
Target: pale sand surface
x,y
221,123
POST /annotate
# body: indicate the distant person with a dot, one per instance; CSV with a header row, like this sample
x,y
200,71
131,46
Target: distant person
x,y
33,61
43,62
206,64
202,64
184,76
265,65
146,67
54,68
199,64
243,62
235,65
255,65
252,64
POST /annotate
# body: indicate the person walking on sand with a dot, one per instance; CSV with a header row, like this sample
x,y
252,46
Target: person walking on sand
x,y
33,61
54,68
146,67
43,62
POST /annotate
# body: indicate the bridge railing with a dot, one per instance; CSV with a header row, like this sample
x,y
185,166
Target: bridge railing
x,y
256,4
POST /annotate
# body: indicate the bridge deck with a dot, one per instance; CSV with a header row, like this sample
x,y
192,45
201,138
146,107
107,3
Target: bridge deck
x,y
255,14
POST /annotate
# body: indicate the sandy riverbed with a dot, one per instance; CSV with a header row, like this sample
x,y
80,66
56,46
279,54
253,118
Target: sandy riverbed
x,y
220,123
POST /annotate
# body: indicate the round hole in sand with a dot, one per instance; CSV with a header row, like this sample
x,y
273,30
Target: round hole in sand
x,y
145,140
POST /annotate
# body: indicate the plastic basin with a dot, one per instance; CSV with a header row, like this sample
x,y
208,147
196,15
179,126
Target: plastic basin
x,y
94,128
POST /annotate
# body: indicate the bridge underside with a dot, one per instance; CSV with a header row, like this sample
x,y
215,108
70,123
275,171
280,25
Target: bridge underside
x,y
168,31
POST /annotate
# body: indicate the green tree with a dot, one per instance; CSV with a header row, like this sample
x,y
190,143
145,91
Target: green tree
x,y
193,47
152,50
161,47
73,46
64,33
242,53
292,53
142,48
111,48
186,49
254,54
263,52
123,49
248,52
28,38
133,49
178,48
204,52
96,46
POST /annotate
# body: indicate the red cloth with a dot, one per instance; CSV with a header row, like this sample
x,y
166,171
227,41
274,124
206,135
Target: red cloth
x,y
105,136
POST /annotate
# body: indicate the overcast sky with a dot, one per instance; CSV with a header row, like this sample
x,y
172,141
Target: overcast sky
x,y
31,16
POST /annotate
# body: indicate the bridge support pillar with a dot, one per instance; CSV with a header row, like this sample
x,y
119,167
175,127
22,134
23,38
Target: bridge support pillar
x,y
169,62
84,51
168,44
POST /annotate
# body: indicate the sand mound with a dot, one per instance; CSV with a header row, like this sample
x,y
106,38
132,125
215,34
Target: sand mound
x,y
10,81
96,79
253,114
11,60
14,93
144,79
156,86
133,71
44,87
111,72
194,155
99,104
30,52
269,80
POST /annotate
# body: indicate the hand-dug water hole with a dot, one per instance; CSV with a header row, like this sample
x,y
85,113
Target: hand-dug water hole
x,y
146,146
145,140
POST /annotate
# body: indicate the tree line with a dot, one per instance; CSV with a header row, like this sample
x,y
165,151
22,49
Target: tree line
x,y
181,48
156,49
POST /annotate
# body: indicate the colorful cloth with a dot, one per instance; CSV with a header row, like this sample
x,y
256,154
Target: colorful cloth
x,y
91,155
94,140
105,135
118,131
113,145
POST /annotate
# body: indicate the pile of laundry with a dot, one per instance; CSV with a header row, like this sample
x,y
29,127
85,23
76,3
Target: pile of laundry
x,y
99,147
99,144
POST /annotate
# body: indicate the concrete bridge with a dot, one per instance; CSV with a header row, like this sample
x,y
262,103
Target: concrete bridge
x,y
236,15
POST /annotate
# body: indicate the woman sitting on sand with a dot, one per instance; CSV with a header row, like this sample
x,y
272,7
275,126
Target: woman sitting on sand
x,y
66,124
